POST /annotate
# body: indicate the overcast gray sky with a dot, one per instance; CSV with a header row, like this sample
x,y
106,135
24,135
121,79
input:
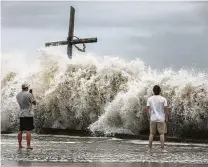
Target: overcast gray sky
x,y
162,34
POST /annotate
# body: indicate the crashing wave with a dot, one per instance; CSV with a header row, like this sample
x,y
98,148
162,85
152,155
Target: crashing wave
x,y
106,95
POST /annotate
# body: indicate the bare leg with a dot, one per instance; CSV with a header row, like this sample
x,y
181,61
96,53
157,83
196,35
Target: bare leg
x,y
162,141
28,138
20,139
151,136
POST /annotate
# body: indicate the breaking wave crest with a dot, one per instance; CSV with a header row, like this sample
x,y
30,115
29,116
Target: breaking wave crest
x,y
105,95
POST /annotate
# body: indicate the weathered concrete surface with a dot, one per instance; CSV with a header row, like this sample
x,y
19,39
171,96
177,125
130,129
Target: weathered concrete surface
x,y
52,150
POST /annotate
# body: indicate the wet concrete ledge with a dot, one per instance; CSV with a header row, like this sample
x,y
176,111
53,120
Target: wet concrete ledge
x,y
142,136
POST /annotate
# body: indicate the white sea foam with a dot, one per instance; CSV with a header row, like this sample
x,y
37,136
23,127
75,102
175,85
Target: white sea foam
x,y
106,95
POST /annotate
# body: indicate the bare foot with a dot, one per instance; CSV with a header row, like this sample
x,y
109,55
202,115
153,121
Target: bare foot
x,y
149,150
20,147
164,151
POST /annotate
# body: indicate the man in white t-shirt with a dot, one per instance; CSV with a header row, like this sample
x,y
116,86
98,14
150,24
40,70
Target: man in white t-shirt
x,y
158,115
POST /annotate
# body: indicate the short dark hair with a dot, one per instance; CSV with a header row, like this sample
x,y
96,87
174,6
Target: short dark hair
x,y
156,90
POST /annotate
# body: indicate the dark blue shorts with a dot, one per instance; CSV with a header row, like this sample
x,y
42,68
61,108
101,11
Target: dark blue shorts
x,y
26,123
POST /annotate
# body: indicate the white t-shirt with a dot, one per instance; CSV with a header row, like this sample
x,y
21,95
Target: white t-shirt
x,y
157,104
25,100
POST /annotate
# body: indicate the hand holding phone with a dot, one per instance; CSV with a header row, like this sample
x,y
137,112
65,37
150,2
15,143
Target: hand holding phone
x,y
30,91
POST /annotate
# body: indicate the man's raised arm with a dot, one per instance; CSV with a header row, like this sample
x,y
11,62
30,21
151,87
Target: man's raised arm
x,y
32,97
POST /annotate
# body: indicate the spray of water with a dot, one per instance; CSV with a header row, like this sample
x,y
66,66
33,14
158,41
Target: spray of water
x,y
105,95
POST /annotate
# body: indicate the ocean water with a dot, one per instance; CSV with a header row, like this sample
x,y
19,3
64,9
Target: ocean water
x,y
103,94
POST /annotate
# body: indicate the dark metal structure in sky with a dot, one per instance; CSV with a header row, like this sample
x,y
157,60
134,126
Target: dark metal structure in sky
x,y
70,41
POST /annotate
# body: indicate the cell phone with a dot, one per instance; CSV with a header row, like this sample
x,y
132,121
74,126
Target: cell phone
x,y
30,91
